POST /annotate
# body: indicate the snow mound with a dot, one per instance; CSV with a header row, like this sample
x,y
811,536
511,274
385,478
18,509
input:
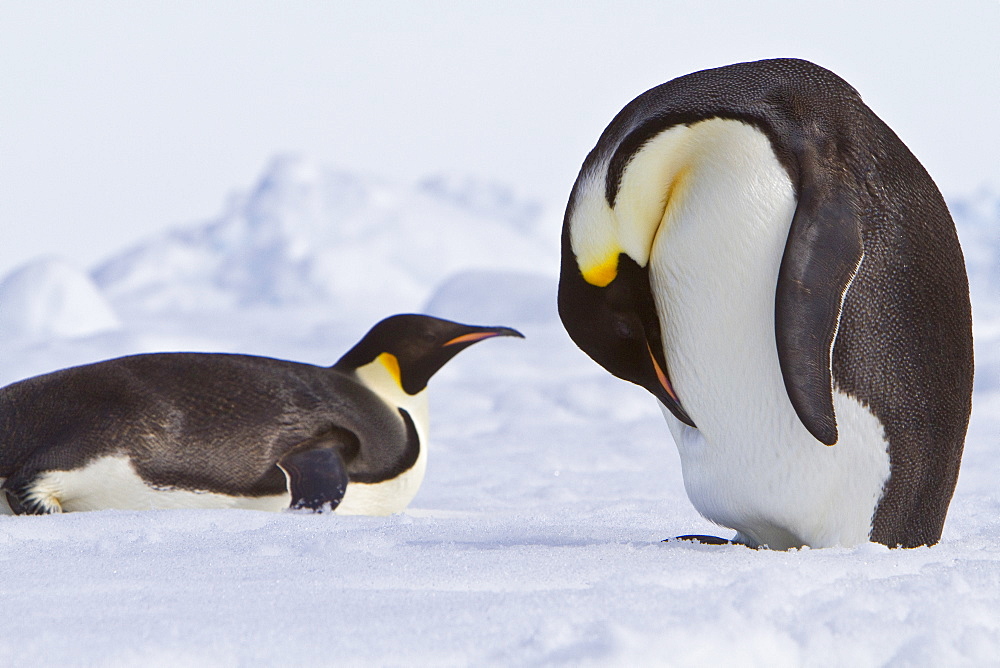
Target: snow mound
x,y
354,244
493,297
52,299
493,200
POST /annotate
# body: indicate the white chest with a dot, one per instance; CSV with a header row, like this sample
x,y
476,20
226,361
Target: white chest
x,y
750,465
393,495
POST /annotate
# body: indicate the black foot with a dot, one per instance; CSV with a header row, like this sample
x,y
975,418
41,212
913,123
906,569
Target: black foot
x,y
704,540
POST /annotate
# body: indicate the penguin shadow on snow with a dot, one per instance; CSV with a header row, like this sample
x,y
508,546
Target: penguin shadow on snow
x,y
215,430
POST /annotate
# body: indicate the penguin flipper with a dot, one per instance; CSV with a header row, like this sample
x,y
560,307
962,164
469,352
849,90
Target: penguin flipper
x,y
822,256
316,472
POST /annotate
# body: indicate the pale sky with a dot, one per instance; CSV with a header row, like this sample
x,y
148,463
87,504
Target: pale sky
x,y
121,119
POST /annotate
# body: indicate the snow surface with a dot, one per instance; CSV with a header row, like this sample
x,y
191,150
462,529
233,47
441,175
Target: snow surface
x,y
535,539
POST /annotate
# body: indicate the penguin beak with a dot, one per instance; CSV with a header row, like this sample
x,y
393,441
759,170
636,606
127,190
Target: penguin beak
x,y
662,377
487,333
670,400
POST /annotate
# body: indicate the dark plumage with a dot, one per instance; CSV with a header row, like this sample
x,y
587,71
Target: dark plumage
x,y
233,425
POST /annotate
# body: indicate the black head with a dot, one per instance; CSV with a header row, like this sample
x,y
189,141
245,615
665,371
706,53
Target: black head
x,y
617,326
419,345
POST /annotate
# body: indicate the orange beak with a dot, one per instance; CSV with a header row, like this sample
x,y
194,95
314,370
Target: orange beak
x,y
662,377
479,336
469,338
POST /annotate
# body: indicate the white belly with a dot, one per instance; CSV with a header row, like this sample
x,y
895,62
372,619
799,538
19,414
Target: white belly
x,y
112,483
751,465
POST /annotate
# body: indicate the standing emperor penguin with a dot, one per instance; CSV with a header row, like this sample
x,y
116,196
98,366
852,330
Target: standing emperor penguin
x,y
209,430
756,248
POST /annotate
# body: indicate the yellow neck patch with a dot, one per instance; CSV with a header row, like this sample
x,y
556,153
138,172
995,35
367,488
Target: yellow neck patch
x,y
391,364
603,272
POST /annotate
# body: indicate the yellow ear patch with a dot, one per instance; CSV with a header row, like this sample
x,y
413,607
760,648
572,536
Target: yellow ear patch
x,y
391,364
604,272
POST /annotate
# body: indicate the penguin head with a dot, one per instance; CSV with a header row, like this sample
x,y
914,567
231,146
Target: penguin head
x,y
605,298
414,347
617,326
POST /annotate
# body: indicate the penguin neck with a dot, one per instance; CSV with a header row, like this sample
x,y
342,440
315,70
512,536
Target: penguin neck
x,y
382,376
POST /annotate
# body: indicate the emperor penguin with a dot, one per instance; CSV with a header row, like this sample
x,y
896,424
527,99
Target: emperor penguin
x,y
756,248
212,430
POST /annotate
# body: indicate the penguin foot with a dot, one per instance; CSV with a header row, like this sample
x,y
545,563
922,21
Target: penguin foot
x,y
704,540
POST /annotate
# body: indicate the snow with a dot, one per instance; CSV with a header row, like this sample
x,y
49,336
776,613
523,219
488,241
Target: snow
x,y
536,537
51,298
309,235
